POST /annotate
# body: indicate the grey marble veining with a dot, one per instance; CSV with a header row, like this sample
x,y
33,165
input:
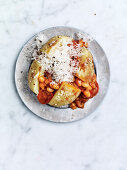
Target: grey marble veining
x,y
95,143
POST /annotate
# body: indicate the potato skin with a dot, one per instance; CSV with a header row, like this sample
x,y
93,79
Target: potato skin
x,y
86,65
66,94
53,43
34,71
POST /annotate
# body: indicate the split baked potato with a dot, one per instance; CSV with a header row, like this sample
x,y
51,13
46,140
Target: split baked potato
x,y
86,66
34,71
52,45
67,92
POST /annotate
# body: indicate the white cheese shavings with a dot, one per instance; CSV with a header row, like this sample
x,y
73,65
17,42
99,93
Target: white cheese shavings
x,y
60,62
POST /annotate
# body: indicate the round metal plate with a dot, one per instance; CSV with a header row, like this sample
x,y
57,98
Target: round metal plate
x,y
60,114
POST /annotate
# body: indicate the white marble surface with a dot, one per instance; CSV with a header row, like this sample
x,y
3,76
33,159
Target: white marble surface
x,y
98,142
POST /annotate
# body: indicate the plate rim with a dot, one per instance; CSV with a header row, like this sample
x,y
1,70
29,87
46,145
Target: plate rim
x,y
15,76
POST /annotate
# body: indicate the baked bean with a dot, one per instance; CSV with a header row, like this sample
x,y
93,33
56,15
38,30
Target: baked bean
x,y
73,106
95,90
93,85
41,79
85,84
42,86
49,89
86,93
54,86
79,104
89,88
48,78
47,81
78,82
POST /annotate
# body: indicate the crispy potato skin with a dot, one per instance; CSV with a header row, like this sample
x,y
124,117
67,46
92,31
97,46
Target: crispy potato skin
x,y
66,94
34,71
86,65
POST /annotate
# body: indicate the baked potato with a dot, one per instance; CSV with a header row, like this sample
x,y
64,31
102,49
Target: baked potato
x,y
57,91
86,66
51,46
66,94
34,71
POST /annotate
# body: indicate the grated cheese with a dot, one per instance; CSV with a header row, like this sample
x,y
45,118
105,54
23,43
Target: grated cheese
x,y
58,62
